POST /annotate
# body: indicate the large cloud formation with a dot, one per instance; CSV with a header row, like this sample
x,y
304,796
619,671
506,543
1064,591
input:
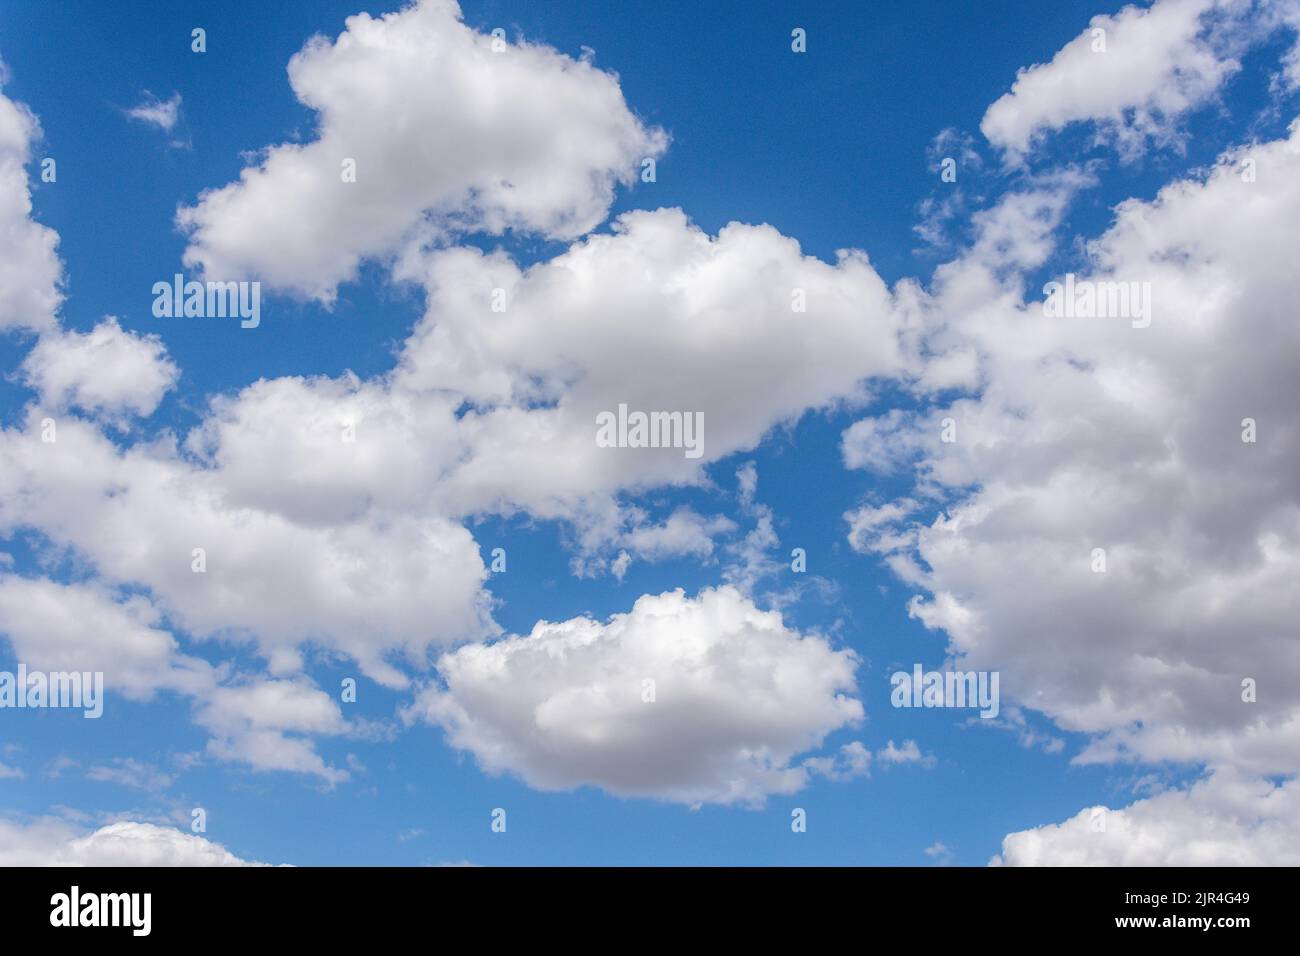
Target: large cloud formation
x,y
354,542
1173,448
1073,434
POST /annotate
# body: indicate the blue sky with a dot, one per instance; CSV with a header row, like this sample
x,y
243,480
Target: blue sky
x,y
835,148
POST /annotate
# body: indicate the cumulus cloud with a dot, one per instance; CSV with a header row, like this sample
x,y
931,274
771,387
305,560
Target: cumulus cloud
x,y
367,586
30,271
105,371
266,724
1072,434
449,131
658,316
737,695
1091,433
53,842
1224,820
491,412
908,752
683,532
1082,433
1157,63
353,543
84,627
851,760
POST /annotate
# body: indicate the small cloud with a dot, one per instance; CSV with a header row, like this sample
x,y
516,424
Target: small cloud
x,y
941,854
1013,720
55,768
853,760
129,772
907,752
10,773
187,760
164,114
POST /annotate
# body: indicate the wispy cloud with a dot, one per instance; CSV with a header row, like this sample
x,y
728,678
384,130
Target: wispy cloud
x,y
164,114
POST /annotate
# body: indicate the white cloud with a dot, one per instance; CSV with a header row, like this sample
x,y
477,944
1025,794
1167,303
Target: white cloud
x,y
447,136
684,532
940,853
1070,435
155,112
905,753
1081,433
253,722
355,546
52,842
658,316
84,627
266,724
486,417
738,695
368,586
1224,820
105,371
852,760
130,772
30,271
1158,63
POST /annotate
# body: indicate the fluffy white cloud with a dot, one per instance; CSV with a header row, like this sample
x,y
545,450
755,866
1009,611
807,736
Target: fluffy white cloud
x,y
447,135
491,412
682,532
30,270
1158,62
343,447
267,724
83,627
658,316
737,696
352,542
851,760
105,371
908,752
368,586
52,842
1084,433
1224,820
